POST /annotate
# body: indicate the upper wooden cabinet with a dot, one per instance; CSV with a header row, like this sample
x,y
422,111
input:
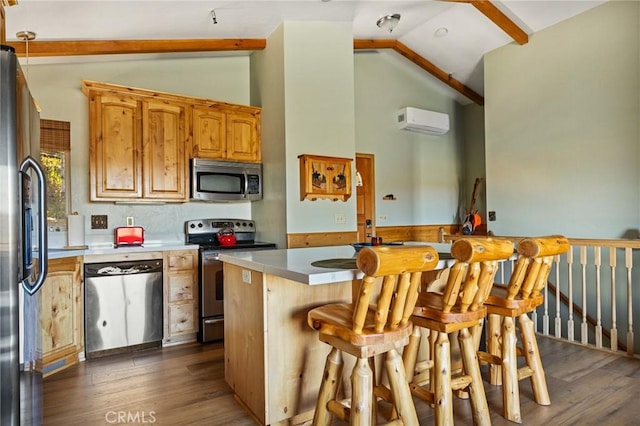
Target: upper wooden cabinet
x,y
222,133
324,177
140,141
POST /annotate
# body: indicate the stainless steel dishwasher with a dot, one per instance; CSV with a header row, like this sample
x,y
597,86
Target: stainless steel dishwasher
x,y
123,306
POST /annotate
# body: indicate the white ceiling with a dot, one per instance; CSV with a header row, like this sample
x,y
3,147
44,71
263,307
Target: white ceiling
x,y
470,33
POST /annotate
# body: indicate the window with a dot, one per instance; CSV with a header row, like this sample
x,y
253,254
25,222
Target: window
x,y
55,147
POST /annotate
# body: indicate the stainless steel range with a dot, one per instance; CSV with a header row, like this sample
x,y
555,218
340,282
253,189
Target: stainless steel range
x,y
212,235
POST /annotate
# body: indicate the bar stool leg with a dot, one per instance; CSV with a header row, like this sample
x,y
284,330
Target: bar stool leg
x,y
532,355
493,348
361,394
329,387
410,353
510,387
400,389
479,406
443,395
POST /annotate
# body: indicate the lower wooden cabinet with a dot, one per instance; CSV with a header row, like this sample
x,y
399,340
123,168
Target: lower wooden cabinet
x,y
61,315
181,295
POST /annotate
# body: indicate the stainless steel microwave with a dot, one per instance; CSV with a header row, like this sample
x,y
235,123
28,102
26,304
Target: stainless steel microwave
x,y
225,181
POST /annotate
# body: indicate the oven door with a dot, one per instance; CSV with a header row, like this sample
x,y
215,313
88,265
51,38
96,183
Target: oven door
x,y
211,297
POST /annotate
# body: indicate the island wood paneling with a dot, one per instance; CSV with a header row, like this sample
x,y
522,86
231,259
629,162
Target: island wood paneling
x,y
274,360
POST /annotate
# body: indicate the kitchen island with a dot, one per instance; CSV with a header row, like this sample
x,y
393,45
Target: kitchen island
x,y
273,359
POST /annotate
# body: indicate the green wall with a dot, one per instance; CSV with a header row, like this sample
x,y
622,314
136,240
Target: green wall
x,y
424,172
562,131
318,97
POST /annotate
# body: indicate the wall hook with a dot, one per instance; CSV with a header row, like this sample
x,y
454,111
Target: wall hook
x,y
213,16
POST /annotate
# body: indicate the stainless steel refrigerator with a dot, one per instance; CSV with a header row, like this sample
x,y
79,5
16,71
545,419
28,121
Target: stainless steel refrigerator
x,y
23,247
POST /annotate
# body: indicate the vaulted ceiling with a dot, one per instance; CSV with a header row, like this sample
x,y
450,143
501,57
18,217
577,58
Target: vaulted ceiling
x,y
446,38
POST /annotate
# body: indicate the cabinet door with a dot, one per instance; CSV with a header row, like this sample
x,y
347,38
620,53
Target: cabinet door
x,y
115,147
165,162
243,136
61,315
325,177
209,133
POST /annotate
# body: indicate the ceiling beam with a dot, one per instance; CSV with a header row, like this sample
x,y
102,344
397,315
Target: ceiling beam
x,y
426,65
496,16
108,47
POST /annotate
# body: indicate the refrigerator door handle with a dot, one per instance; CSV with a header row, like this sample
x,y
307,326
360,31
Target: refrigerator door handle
x,y
30,163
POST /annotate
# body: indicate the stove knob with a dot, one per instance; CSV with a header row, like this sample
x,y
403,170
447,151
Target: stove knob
x,y
200,225
192,225
250,224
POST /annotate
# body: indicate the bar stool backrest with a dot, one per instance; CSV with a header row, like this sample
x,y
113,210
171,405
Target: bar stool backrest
x,y
534,265
400,268
472,276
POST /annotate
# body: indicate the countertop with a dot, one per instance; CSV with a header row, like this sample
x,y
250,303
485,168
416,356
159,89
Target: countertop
x,y
295,264
59,253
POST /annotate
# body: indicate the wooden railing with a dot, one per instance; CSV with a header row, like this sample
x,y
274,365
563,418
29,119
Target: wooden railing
x,y
591,294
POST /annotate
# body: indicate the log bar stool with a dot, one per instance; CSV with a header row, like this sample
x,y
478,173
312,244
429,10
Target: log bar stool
x,y
519,297
365,330
459,308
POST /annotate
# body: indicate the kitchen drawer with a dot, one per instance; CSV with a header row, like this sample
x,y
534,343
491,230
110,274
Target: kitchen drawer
x,y
182,260
181,318
180,287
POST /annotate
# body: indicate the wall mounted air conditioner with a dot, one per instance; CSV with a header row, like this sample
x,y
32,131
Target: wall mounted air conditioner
x,y
423,121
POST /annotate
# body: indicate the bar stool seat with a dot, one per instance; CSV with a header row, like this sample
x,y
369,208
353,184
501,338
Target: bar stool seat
x,y
506,303
365,329
460,308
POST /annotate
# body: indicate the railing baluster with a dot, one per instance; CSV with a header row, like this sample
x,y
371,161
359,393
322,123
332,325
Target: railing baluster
x,y
545,313
598,329
614,326
558,319
584,327
570,324
628,254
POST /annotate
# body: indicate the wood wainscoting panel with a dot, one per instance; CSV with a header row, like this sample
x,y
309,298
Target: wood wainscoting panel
x,y
319,239
427,233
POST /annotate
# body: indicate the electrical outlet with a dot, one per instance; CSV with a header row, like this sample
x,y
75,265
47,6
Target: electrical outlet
x,y
340,218
246,276
130,221
382,218
99,222
492,216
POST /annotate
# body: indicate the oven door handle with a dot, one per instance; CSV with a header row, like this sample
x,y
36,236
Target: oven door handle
x,y
210,256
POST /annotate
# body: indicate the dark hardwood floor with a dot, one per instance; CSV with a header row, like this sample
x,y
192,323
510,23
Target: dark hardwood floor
x,y
184,385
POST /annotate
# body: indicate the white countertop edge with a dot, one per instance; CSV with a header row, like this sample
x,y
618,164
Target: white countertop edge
x,y
60,253
310,278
